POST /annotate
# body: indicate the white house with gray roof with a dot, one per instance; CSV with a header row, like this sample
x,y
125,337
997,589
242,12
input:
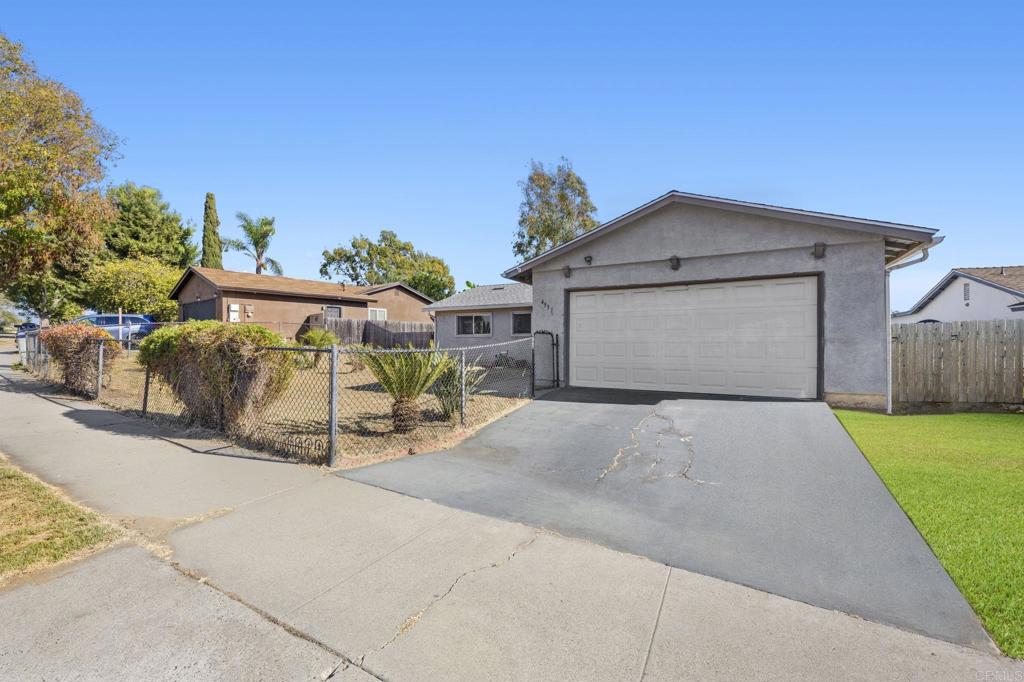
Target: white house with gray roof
x,y
484,314
993,293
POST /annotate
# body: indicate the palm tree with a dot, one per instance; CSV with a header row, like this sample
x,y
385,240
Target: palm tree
x,y
258,232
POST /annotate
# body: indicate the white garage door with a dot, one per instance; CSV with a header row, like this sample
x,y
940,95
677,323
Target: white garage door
x,y
754,337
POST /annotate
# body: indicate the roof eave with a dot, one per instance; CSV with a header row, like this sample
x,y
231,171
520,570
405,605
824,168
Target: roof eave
x,y
912,233
492,306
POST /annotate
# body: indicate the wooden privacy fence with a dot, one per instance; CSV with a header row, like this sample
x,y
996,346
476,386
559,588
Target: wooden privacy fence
x,y
384,334
958,362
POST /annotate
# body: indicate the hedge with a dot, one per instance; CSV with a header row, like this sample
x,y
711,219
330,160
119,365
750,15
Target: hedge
x,y
76,348
218,370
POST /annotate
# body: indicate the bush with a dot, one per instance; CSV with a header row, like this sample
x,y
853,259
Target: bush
x,y
448,387
137,285
219,370
76,349
406,376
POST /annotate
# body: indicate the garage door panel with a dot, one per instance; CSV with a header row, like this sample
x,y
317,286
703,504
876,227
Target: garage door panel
x,y
755,337
614,349
646,376
584,324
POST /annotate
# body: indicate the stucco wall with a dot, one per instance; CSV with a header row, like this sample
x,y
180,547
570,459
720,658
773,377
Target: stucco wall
x,y
987,303
401,305
198,289
717,244
501,328
284,314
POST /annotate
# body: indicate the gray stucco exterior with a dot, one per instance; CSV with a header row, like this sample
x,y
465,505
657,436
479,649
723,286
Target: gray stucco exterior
x,y
501,327
717,244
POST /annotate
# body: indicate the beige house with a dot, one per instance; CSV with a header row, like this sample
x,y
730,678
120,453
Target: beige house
x,y
285,304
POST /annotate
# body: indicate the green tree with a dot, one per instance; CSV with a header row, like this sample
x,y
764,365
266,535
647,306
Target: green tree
x,y
556,207
470,285
136,285
51,295
145,225
212,248
53,157
8,318
258,233
389,259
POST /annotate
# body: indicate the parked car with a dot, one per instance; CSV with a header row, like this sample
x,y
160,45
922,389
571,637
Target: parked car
x,y
128,327
24,328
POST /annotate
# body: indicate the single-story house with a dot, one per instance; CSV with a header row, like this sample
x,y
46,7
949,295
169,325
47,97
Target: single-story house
x,y
971,294
482,315
700,294
285,304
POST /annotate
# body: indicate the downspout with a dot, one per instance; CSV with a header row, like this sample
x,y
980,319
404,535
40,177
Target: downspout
x,y
888,318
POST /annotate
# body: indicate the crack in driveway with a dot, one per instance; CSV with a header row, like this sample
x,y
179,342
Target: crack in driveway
x,y
635,451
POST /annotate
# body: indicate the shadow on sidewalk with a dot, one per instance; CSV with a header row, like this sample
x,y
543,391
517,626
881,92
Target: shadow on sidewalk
x,y
89,414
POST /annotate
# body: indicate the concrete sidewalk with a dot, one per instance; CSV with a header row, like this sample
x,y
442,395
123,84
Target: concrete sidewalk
x,y
309,570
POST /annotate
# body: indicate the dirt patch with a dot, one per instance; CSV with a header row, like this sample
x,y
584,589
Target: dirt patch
x,y
296,424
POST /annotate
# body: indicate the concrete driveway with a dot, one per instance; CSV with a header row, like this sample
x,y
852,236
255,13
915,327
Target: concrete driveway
x,y
769,494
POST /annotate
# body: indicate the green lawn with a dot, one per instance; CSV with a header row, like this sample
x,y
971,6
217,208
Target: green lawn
x,y
960,478
39,527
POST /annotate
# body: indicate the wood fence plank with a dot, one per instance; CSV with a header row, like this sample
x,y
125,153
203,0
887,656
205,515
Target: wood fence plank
x,y
959,362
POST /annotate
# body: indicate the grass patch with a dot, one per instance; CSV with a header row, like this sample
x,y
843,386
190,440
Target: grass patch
x,y
39,527
960,478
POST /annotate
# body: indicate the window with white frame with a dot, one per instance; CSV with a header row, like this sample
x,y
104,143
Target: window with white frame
x,y
473,325
521,323
378,314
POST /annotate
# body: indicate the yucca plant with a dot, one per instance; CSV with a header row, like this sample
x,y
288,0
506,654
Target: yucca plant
x,y
406,376
320,338
448,387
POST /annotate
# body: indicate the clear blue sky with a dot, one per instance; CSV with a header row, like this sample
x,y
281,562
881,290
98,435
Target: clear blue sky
x,y
345,118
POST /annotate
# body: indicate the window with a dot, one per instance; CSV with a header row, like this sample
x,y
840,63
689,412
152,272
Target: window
x,y
332,312
473,325
521,324
378,314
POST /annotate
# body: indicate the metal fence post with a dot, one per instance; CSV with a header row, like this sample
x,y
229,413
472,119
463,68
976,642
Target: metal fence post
x,y
99,374
332,416
533,366
145,394
462,388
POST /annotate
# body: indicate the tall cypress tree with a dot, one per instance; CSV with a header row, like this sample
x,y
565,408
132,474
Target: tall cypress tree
x,y
212,249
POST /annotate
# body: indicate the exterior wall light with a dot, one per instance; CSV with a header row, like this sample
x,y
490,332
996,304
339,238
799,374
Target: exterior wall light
x,y
673,262
567,271
819,250
588,259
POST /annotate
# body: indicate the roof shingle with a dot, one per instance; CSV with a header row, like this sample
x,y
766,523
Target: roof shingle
x,y
486,296
1009,276
270,284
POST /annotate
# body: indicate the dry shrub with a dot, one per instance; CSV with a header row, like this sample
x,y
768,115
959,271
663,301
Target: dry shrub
x,y
76,350
220,371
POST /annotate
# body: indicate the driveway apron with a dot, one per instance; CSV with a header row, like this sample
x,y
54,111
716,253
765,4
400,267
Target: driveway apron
x,y
769,494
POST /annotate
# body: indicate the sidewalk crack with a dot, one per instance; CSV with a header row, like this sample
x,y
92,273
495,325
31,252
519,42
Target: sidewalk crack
x,y
657,621
415,618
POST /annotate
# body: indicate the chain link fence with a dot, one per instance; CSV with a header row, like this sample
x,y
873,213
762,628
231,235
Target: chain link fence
x,y
335,409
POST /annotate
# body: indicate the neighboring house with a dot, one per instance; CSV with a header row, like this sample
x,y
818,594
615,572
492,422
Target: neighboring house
x,y
485,314
284,304
395,301
700,294
971,294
